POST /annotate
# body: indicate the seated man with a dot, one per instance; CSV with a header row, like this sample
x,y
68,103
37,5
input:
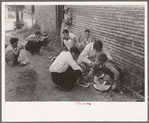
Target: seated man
x,y
88,39
110,69
44,38
34,42
66,22
88,55
70,39
64,70
12,52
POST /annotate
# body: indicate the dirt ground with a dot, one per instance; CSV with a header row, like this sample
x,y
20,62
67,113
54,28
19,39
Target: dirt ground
x,y
33,82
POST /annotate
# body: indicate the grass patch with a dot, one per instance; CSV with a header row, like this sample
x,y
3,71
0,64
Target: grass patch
x,y
26,82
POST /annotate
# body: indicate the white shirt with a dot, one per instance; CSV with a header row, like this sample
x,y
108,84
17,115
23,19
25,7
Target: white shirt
x,y
88,52
33,37
70,42
9,48
62,62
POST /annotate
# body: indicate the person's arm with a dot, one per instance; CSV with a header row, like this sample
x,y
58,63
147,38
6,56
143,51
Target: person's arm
x,y
92,39
68,18
115,72
16,50
84,54
31,38
73,64
75,40
107,53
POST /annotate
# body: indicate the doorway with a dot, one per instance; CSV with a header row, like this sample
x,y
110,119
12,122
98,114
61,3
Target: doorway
x,y
59,16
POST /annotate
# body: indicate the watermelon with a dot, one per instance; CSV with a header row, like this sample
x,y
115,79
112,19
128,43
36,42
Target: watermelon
x,y
101,87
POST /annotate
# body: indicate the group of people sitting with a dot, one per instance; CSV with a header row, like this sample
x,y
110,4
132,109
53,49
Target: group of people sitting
x,y
33,45
83,60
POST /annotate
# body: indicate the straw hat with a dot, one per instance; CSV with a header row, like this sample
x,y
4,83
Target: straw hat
x,y
44,33
66,8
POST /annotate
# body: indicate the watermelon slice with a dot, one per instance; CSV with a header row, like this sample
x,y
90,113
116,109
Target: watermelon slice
x,y
101,87
99,81
83,84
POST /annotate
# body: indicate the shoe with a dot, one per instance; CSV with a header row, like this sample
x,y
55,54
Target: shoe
x,y
83,84
23,63
11,65
17,62
30,53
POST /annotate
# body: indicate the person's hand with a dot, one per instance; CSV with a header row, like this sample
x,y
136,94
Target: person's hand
x,y
90,74
93,64
97,62
113,86
65,38
21,46
64,21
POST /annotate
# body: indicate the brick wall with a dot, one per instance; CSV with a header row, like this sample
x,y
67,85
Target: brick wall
x,y
46,17
121,29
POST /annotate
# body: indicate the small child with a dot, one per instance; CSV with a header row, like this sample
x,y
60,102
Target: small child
x,y
12,52
110,68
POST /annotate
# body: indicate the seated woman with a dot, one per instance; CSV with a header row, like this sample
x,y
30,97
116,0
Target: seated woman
x,y
12,52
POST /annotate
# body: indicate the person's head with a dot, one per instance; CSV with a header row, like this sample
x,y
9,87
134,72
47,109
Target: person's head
x,y
101,58
44,33
66,9
74,52
66,33
87,33
14,42
37,34
98,45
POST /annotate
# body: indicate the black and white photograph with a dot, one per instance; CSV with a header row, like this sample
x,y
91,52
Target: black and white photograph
x,y
75,56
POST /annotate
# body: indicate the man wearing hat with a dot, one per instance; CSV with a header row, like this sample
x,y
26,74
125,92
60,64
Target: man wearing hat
x,y
45,38
66,22
34,42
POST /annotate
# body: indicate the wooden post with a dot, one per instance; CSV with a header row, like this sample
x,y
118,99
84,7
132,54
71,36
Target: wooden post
x,y
32,18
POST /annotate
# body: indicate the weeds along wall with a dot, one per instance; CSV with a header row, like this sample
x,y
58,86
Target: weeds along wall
x,y
121,29
45,16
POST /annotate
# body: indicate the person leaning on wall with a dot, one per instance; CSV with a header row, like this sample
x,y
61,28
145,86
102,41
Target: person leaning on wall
x,y
88,38
70,39
66,22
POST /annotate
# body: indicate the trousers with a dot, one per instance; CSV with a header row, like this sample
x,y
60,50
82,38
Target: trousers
x,y
33,47
66,79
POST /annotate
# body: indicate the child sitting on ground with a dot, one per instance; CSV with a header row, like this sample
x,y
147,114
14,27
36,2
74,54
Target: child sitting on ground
x,y
112,73
12,52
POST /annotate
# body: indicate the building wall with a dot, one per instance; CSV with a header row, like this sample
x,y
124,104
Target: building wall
x,y
121,29
46,17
